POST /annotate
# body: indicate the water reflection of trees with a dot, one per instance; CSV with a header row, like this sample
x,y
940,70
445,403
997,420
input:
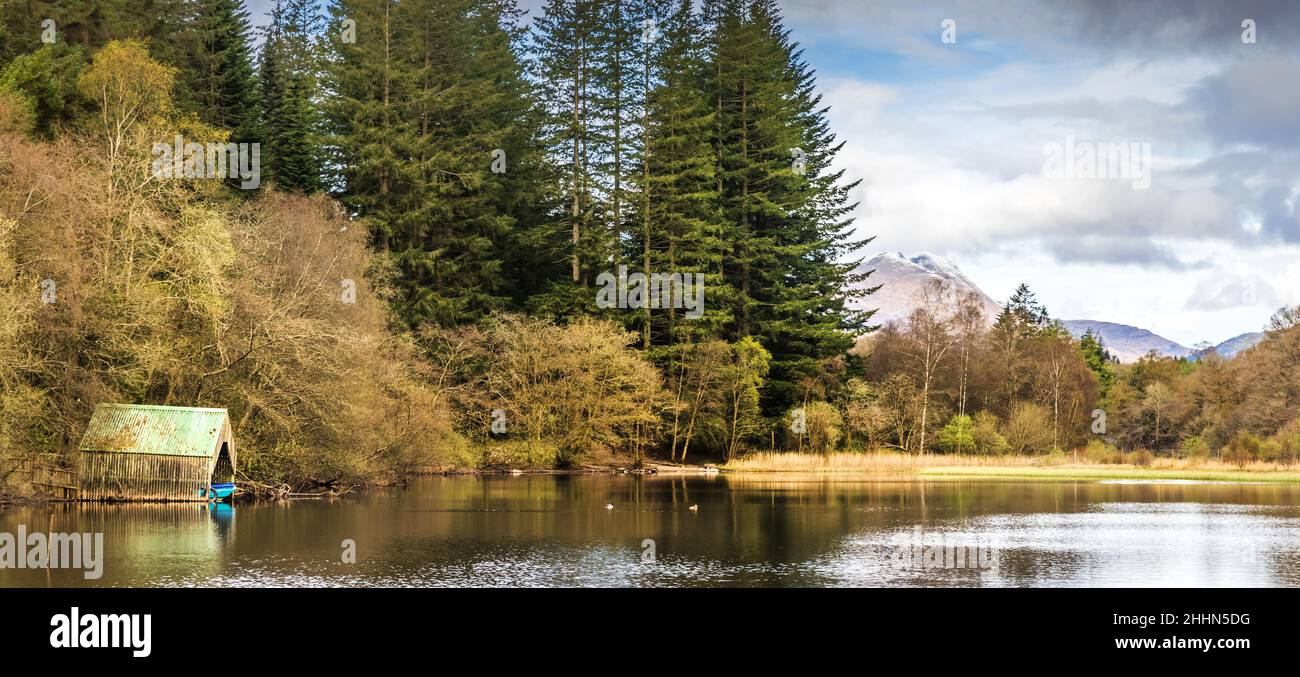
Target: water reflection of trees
x,y
749,523
141,540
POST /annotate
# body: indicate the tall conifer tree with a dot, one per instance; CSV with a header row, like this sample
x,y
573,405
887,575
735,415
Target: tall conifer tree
x,y
678,212
216,78
291,156
785,210
564,50
433,123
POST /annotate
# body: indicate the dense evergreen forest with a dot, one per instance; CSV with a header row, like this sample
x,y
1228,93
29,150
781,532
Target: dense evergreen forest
x,y
446,190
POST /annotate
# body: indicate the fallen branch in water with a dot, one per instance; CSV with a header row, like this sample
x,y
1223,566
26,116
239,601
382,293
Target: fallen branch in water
x,y
255,489
281,491
331,493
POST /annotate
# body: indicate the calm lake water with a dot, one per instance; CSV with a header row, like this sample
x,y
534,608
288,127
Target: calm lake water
x,y
749,530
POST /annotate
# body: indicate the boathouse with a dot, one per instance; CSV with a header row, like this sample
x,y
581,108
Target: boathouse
x,y
152,453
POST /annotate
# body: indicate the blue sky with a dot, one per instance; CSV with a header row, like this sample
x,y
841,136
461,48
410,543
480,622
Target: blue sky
x,y
949,140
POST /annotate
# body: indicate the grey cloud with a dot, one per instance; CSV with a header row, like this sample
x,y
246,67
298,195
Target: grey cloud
x,y
1116,250
1279,220
1194,23
1253,101
1151,27
1260,184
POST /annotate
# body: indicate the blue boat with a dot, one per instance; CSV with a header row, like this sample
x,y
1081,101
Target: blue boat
x,y
219,492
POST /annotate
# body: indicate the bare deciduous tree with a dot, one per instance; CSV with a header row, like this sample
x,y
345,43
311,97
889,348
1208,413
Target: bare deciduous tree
x,y
930,328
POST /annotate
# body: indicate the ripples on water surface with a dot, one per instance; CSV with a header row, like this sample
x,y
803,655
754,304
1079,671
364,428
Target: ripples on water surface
x,y
750,530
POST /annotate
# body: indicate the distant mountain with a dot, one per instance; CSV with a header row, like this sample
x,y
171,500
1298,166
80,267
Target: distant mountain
x,y
1239,343
1128,343
903,278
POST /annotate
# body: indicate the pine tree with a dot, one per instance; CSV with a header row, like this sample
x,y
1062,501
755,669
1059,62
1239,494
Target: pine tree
x,y
47,79
643,75
1098,360
20,29
290,153
216,77
83,23
163,23
619,47
429,97
475,111
1022,319
368,130
1024,311
676,178
785,211
563,62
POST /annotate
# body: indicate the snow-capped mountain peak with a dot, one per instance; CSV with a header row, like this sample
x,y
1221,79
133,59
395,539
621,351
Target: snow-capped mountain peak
x,y
901,278
904,277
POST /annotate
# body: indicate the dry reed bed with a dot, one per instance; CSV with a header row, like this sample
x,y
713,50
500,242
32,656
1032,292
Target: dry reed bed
x,y
1046,467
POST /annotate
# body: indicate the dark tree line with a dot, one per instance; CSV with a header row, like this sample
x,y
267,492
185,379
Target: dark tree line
x,y
502,163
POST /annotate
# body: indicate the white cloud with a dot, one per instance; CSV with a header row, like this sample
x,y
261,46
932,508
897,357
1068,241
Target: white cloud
x,y
953,164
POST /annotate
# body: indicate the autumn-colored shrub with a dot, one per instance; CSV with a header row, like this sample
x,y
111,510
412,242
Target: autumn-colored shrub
x,y
1288,442
1195,446
984,432
824,426
1242,449
16,113
1029,429
580,389
1098,451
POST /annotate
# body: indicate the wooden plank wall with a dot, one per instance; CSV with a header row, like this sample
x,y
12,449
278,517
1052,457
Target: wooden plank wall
x,y
47,479
142,477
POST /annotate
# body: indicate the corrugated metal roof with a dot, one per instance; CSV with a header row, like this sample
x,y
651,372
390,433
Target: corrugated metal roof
x,y
150,429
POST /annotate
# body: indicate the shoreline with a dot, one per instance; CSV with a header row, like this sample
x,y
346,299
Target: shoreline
x,y
883,467
931,467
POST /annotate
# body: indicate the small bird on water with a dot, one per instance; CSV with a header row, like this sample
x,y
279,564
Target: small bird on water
x,y
694,508
609,506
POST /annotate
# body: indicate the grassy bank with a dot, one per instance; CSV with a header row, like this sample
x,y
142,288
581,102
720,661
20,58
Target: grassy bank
x,y
1051,467
1117,472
